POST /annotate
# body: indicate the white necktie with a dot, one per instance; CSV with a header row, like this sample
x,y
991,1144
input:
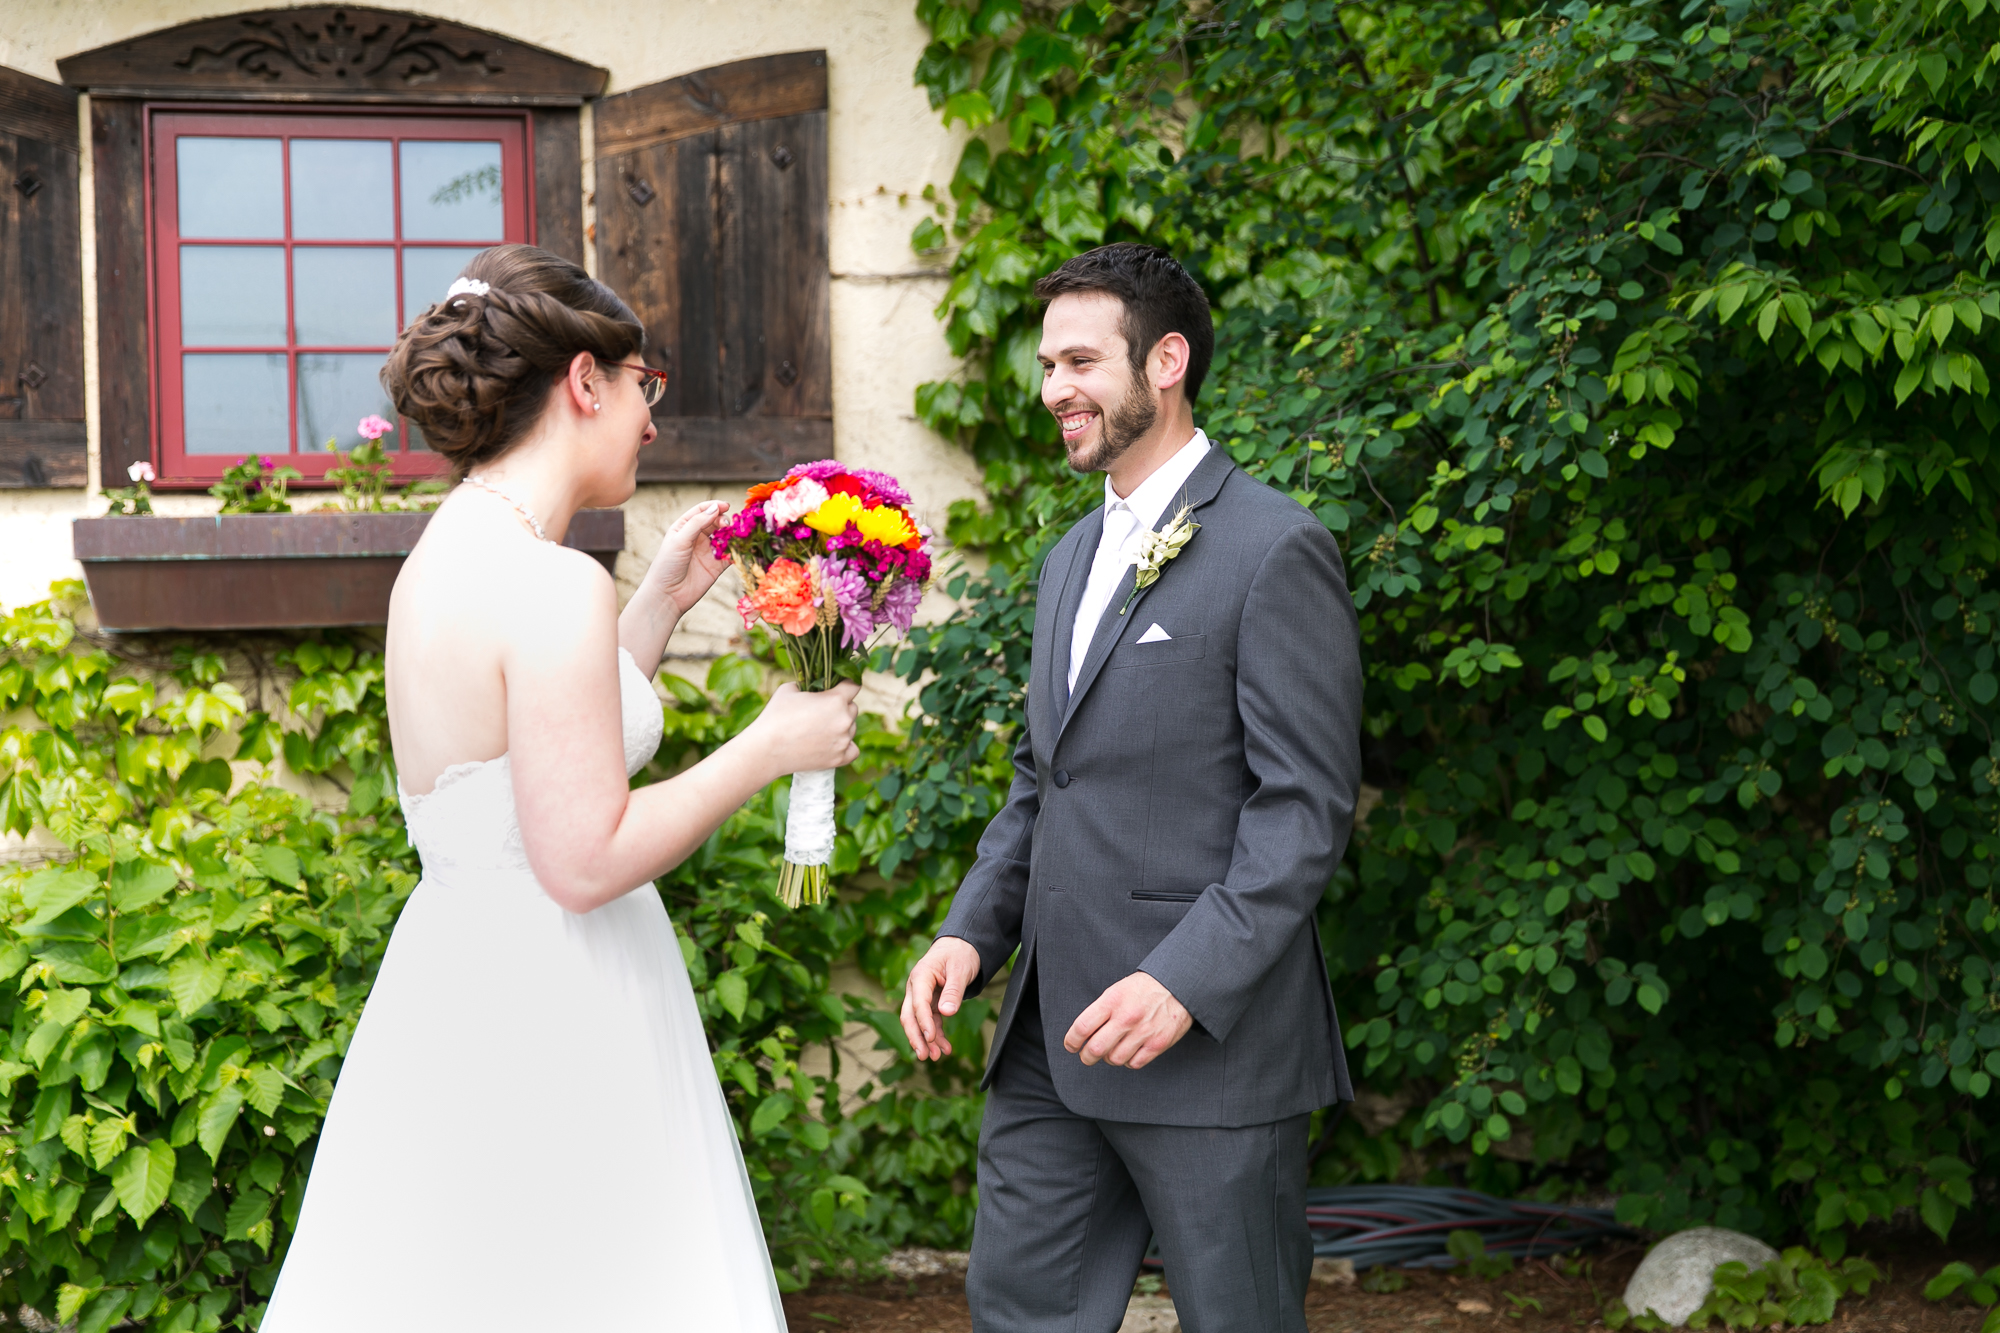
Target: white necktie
x,y
1105,571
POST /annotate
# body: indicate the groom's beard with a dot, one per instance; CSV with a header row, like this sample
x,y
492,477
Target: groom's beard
x,y
1119,429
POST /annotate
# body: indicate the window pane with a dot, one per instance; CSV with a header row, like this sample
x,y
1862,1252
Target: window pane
x,y
344,296
231,188
428,274
342,191
234,403
335,392
232,296
451,191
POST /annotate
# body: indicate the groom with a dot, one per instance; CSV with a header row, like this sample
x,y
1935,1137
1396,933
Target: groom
x,y
1183,788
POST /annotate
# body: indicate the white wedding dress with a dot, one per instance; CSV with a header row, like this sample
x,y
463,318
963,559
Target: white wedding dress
x,y
527,1133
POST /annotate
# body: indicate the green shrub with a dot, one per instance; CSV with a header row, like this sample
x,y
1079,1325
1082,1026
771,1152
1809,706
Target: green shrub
x,y
180,981
1797,1288
184,979
1637,354
1962,1279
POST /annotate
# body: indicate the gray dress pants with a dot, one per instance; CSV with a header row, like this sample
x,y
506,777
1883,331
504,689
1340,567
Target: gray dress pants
x,y
1067,1205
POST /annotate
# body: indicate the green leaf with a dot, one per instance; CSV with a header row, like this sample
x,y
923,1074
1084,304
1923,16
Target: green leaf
x,y
195,982
278,862
218,1114
142,1178
51,892
134,884
770,1113
249,1208
69,1299
1937,1211
733,990
1949,1279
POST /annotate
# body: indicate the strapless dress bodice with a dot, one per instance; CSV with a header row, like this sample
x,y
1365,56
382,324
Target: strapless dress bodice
x,y
467,821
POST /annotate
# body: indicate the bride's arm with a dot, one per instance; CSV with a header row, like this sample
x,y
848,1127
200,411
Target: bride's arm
x,y
682,571
588,836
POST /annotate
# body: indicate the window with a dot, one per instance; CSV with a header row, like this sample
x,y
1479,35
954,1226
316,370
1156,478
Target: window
x,y
288,250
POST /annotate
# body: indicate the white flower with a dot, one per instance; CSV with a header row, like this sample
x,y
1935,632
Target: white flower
x,y
794,502
141,471
1157,548
460,286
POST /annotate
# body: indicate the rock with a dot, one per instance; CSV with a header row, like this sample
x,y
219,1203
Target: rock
x,y
1334,1272
1150,1314
1471,1306
1676,1275
914,1262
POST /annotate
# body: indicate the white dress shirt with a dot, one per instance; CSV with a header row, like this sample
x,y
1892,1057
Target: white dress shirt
x,y
1126,519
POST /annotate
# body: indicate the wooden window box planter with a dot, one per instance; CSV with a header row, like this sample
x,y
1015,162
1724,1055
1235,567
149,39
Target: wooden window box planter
x,y
267,571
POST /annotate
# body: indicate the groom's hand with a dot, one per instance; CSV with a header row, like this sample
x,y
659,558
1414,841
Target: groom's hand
x,y
1132,1024
937,987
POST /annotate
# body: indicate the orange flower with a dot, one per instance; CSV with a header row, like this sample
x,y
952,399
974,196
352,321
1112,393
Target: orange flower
x,y
764,490
784,598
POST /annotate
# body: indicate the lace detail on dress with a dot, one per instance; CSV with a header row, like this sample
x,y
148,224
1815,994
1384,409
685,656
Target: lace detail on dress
x,y
468,820
452,774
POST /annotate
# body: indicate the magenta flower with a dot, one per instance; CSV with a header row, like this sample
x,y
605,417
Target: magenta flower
x,y
887,488
373,427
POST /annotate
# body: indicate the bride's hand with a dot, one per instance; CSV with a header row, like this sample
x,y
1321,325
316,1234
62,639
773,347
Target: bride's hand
x,y
685,567
800,732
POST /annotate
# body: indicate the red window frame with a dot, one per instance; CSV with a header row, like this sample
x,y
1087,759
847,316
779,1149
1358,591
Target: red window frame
x,y
177,468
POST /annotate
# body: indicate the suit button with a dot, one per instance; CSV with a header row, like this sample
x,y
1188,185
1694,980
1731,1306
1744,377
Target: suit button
x,y
1062,777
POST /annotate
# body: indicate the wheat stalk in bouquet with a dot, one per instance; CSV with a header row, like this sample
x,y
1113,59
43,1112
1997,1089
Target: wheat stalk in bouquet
x,y
832,559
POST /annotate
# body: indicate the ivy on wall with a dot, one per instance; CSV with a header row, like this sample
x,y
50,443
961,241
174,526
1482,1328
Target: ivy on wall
x,y
1636,354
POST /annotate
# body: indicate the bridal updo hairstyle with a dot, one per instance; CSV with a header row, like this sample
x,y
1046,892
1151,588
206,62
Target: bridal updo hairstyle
x,y
474,371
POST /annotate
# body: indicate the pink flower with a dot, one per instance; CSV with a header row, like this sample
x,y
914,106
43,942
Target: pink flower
x,y
140,472
373,427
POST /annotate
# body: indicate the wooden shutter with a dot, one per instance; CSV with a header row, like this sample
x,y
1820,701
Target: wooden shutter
x,y
41,287
711,222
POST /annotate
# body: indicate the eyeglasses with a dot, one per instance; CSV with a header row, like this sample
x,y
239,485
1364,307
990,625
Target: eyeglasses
x,y
652,383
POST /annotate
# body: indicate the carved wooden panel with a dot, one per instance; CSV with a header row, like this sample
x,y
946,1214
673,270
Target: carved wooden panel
x,y
333,53
712,223
42,439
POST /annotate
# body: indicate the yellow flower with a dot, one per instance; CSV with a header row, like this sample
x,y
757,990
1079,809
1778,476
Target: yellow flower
x,y
833,517
888,525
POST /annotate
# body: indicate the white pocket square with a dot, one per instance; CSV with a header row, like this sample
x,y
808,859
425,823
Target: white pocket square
x,y
1154,635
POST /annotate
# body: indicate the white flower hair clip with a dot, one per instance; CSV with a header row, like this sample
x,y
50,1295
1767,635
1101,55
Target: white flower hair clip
x,y
464,287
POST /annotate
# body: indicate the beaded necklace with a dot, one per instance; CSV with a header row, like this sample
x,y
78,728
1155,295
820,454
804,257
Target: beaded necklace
x,y
519,508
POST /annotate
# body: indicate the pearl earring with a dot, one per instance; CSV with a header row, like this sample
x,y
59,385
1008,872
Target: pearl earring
x,y
597,407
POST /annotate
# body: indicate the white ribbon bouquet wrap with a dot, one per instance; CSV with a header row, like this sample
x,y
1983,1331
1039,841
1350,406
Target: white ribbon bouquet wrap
x,y
834,564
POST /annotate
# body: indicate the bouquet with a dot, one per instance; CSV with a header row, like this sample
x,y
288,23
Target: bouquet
x,y
831,558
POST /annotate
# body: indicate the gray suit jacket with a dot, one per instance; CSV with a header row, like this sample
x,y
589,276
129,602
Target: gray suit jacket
x,y
1182,811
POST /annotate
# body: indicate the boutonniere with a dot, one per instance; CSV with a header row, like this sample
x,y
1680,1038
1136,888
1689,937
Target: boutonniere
x,y
1157,548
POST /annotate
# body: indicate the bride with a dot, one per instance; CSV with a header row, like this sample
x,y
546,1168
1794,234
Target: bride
x,y
528,1133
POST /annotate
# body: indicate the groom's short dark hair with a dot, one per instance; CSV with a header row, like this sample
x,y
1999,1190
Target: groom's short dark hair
x,y
1160,297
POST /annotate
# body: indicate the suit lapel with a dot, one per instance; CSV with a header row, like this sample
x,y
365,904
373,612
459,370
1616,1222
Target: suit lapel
x,y
1203,485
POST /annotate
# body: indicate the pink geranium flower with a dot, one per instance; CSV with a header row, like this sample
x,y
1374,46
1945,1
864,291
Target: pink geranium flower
x,y
373,427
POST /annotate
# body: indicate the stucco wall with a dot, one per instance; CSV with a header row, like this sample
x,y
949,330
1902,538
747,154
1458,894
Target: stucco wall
x,y
885,145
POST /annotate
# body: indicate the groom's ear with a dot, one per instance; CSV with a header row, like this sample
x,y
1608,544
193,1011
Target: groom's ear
x,y
1167,364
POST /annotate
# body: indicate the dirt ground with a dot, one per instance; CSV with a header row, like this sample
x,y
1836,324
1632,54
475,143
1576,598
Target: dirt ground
x,y
1534,1299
